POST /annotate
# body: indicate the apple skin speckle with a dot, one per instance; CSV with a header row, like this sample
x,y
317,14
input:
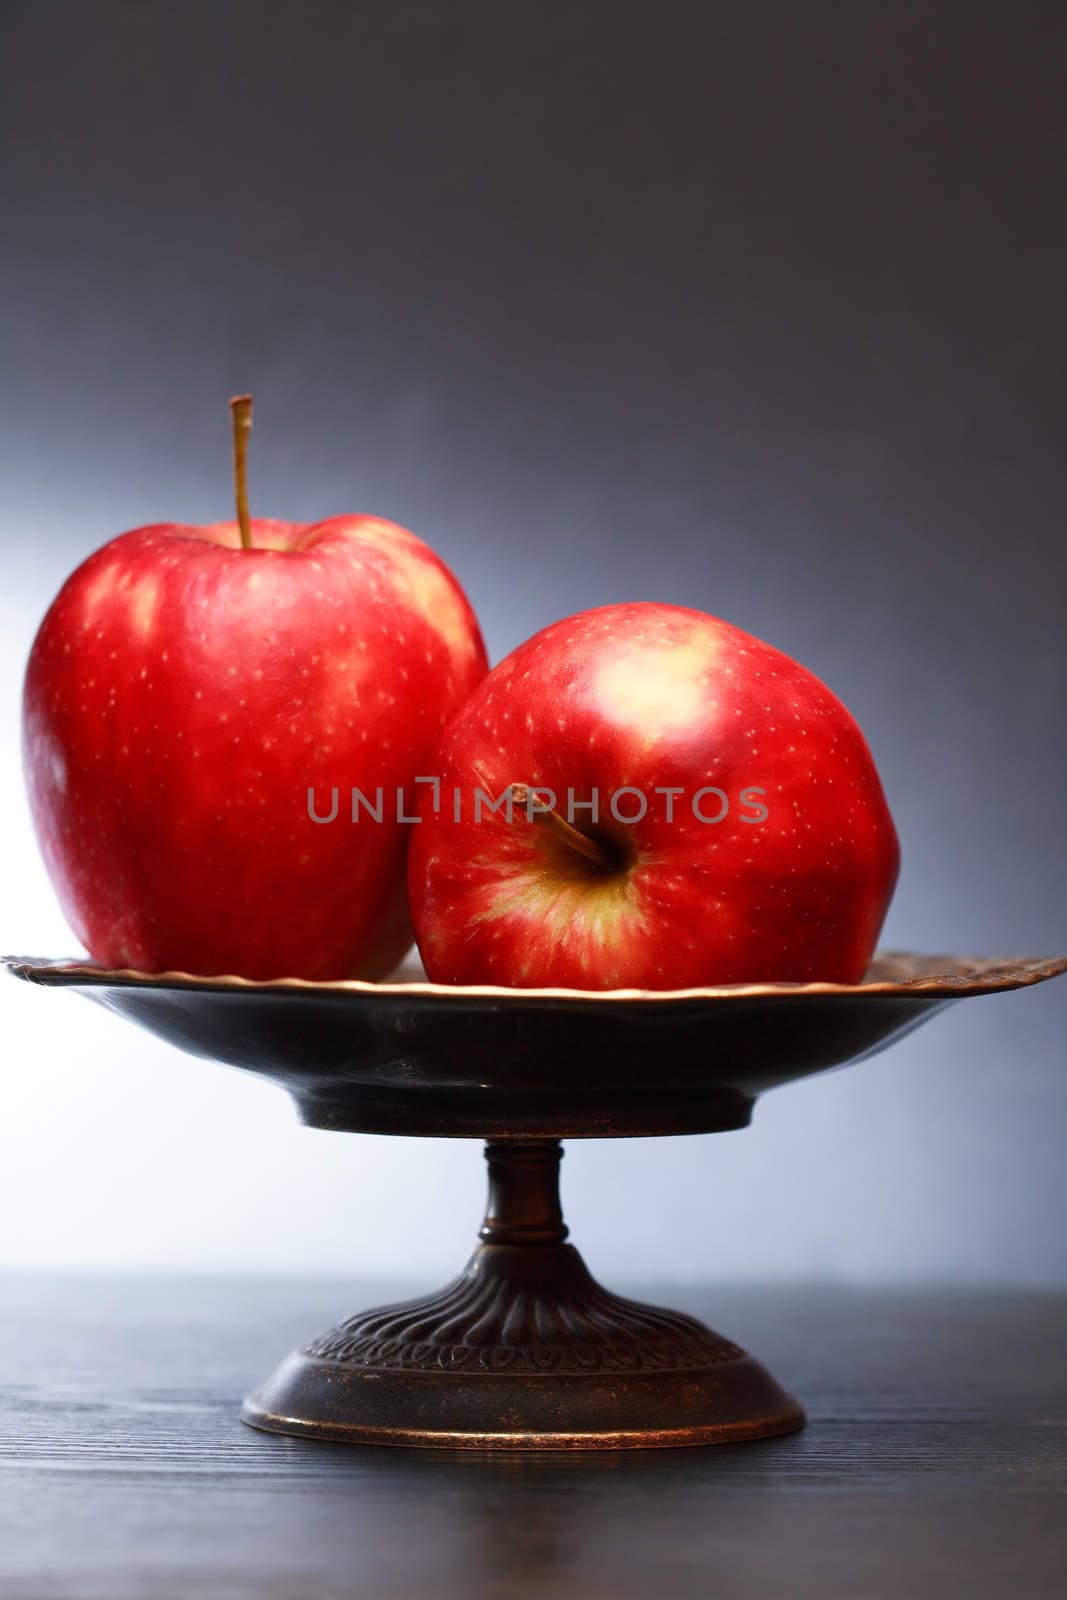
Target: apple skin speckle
x,y
183,694
655,696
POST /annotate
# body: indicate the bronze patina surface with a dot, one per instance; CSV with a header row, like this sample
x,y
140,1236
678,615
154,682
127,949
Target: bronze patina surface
x,y
525,1350
487,1063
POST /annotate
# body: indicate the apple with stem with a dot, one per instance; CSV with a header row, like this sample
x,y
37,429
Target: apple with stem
x,y
643,796
187,689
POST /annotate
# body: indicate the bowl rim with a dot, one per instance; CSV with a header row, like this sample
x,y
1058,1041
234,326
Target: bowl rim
x,y
952,976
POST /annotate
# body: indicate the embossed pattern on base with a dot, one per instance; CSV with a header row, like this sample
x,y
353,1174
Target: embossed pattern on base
x,y
524,1309
523,1351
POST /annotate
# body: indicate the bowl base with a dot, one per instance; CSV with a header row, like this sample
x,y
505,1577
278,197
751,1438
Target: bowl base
x,y
523,1351
716,1406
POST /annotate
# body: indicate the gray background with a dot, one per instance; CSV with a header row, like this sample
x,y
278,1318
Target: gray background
x,y
755,307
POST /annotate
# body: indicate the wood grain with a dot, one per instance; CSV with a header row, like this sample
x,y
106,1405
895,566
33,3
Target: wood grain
x,y
934,1463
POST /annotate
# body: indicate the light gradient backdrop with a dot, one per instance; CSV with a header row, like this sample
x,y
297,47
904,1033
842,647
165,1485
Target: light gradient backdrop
x,y
754,307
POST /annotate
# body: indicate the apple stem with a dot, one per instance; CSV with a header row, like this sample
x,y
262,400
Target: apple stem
x,y
241,410
596,853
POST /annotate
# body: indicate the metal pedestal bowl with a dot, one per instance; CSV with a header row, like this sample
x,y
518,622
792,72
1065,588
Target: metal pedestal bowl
x,y
524,1349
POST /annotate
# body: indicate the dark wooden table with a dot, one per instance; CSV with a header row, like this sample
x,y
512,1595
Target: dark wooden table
x,y
934,1463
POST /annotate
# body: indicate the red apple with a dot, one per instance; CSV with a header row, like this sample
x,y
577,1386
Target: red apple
x,y
187,688
741,830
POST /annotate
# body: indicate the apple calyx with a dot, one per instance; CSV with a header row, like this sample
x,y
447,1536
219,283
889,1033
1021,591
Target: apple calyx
x,y
241,411
599,855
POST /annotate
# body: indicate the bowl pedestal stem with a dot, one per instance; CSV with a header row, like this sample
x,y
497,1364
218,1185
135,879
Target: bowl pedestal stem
x,y
523,1351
